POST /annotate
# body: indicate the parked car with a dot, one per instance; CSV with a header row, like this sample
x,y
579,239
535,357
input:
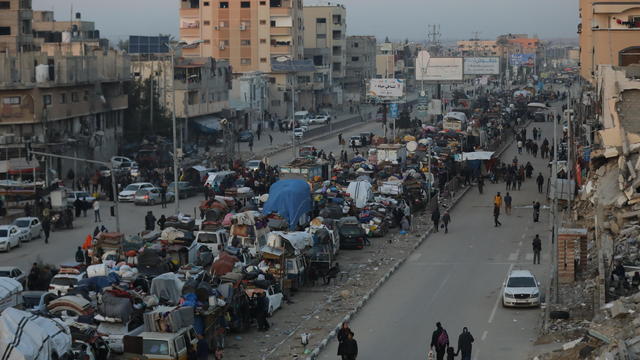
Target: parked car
x,y
82,195
302,117
130,191
521,289
117,161
319,119
29,225
152,196
352,235
298,133
65,279
114,333
185,189
245,136
14,273
357,140
275,300
10,236
252,164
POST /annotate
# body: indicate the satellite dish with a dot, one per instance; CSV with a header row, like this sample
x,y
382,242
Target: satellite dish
x,y
412,146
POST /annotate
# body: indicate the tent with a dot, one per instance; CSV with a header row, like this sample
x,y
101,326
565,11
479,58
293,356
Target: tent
x,y
477,155
360,192
167,286
26,336
290,199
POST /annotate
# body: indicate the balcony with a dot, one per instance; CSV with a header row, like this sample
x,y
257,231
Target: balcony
x,y
281,49
280,11
284,31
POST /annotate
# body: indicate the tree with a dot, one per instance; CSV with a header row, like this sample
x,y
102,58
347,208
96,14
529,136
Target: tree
x,y
137,124
123,45
404,121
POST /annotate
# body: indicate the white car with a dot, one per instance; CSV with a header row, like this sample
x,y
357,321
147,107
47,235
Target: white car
x,y
14,273
117,161
65,279
82,195
275,300
29,225
298,133
319,119
357,140
129,192
521,289
11,236
252,164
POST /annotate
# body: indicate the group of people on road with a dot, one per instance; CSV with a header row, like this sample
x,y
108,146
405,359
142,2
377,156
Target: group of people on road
x,y
441,345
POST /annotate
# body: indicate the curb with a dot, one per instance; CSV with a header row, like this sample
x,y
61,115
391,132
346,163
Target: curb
x,y
351,314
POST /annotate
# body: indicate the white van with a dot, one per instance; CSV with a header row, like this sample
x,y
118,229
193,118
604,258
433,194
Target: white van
x,y
302,118
217,177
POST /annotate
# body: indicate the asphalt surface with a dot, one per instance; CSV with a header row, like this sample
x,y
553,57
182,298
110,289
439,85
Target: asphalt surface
x,y
456,279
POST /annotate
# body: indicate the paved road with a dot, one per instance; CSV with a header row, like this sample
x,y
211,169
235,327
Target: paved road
x,y
456,279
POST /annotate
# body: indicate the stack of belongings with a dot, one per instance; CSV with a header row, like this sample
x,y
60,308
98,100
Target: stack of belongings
x,y
181,222
151,264
168,318
116,306
224,264
109,241
167,287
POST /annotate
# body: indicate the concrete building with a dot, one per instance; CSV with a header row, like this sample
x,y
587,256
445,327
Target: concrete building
x,y
608,35
385,60
16,33
59,101
361,66
477,47
250,95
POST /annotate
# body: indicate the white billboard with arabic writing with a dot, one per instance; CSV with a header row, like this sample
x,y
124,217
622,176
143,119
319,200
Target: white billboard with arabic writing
x,y
439,69
482,65
386,88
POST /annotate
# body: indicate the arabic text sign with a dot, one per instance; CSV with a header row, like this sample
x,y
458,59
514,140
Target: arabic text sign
x,y
386,87
482,65
441,69
523,60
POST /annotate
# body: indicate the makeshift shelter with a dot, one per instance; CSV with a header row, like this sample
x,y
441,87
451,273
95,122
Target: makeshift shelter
x,y
360,192
167,286
26,336
289,198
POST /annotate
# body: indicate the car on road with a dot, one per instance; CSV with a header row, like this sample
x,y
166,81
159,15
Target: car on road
x,y
130,191
252,164
82,195
302,117
65,280
245,136
29,225
352,235
11,236
104,171
355,140
298,133
185,189
319,119
14,273
117,161
521,289
152,196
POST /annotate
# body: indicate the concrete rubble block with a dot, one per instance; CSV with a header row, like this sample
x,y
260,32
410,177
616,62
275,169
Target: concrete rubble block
x,y
630,192
611,152
622,163
621,200
571,344
601,171
618,309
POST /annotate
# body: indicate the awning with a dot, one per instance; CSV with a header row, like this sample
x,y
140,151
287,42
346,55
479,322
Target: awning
x,y
537,105
477,155
17,166
208,125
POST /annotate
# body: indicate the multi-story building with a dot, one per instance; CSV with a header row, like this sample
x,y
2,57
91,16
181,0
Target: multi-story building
x,y
361,66
385,60
60,102
477,47
252,35
68,37
608,34
16,33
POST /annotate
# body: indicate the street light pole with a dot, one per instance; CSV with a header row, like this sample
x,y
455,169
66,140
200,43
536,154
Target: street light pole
x,y
173,128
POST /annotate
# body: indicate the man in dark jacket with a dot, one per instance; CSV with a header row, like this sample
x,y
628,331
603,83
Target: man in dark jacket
x,y
262,309
348,349
536,211
540,182
496,216
537,249
465,341
149,221
80,256
435,217
446,219
439,341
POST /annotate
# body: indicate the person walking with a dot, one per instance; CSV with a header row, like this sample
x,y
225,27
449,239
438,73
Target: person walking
x,y
508,181
435,217
446,219
465,344
262,310
163,195
536,211
480,184
348,349
507,204
497,200
251,145
439,341
496,216
537,248
80,256
96,211
149,221
46,228
270,139
520,146
540,182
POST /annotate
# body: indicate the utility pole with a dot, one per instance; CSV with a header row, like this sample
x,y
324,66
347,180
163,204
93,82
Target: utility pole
x,y
151,97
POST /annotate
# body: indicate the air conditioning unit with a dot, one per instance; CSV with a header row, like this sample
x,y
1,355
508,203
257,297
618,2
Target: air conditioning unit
x,y
243,26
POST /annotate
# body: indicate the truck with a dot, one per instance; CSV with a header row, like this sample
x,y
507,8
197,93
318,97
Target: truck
x,y
306,169
161,345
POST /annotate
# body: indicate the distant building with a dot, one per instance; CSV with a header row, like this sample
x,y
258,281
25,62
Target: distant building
x,y
608,35
361,66
478,48
16,32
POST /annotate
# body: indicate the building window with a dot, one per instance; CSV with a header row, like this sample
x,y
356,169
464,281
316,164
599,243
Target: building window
x,y
355,44
223,24
263,41
245,42
11,100
321,20
355,58
46,99
85,97
212,96
263,22
206,3
273,23
5,5
263,60
321,36
207,22
63,98
224,4
5,30
74,97
275,102
245,4
245,61
263,3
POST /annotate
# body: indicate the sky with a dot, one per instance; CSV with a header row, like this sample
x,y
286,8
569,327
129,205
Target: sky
x,y
397,19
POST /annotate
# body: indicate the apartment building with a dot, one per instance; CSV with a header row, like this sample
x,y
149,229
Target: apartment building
x,y
61,102
361,66
477,47
609,35
16,33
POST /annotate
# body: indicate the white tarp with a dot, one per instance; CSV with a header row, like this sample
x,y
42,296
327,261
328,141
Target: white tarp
x,y
167,286
26,336
477,155
360,192
299,240
10,290
537,105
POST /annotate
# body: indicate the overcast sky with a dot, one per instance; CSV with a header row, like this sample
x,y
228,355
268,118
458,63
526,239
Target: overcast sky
x,y
398,19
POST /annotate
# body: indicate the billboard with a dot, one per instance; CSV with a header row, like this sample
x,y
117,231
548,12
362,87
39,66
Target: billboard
x,y
439,69
482,65
528,60
386,87
148,44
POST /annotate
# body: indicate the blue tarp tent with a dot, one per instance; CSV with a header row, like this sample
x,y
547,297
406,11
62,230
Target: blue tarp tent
x,y
289,198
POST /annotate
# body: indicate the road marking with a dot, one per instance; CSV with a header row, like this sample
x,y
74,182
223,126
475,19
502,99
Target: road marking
x,y
495,306
484,335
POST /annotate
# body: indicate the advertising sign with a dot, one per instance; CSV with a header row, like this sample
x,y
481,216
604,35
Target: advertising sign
x,y
386,87
439,69
482,65
528,60
393,110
